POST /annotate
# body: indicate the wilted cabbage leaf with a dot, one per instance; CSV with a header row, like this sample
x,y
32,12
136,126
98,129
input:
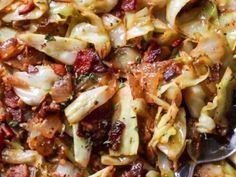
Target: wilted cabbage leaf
x,y
60,48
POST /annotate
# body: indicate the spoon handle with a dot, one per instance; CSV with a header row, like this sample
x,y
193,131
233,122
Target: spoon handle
x,y
186,171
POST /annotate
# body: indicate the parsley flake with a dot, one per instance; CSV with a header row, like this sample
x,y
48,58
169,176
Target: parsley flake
x,y
49,38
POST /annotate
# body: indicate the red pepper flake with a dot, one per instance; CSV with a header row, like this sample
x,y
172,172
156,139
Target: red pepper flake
x,y
115,133
87,60
177,43
7,130
28,8
59,69
128,5
171,72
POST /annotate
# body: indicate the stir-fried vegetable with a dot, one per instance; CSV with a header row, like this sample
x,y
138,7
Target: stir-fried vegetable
x,y
107,88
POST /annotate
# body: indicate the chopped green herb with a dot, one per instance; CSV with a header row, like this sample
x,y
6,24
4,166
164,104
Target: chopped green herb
x,y
85,77
13,123
138,59
136,128
49,38
133,117
122,85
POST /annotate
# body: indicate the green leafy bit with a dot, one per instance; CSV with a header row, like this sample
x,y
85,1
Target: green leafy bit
x,y
49,38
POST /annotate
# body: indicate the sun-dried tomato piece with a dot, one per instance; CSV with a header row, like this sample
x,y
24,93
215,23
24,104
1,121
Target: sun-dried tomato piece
x,y
135,170
177,43
2,142
215,72
59,69
128,5
156,53
18,171
7,130
28,7
84,60
171,72
115,133
87,60
10,98
16,114
96,125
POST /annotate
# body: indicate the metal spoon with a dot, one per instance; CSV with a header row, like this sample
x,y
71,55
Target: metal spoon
x,y
211,151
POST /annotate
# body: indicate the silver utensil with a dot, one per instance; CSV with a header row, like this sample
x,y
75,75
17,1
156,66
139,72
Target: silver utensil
x,y
211,151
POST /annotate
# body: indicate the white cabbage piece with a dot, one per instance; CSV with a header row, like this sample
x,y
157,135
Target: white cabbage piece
x,y
195,99
139,23
228,26
7,33
226,5
106,172
62,49
164,126
65,168
82,148
212,46
98,6
40,9
117,161
5,3
93,32
153,173
189,78
155,3
199,22
86,103
125,113
116,29
214,112
172,10
164,165
224,96
159,25
19,156
39,84
206,124
216,170
60,11
176,144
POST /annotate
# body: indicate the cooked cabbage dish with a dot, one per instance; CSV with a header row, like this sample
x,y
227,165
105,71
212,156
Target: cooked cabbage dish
x,y
115,88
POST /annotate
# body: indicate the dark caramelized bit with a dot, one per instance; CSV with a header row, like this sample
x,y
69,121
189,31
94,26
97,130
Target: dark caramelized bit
x,y
135,170
2,142
18,171
87,60
41,144
128,5
215,72
11,100
9,48
62,89
46,107
28,7
155,53
115,133
96,125
171,72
